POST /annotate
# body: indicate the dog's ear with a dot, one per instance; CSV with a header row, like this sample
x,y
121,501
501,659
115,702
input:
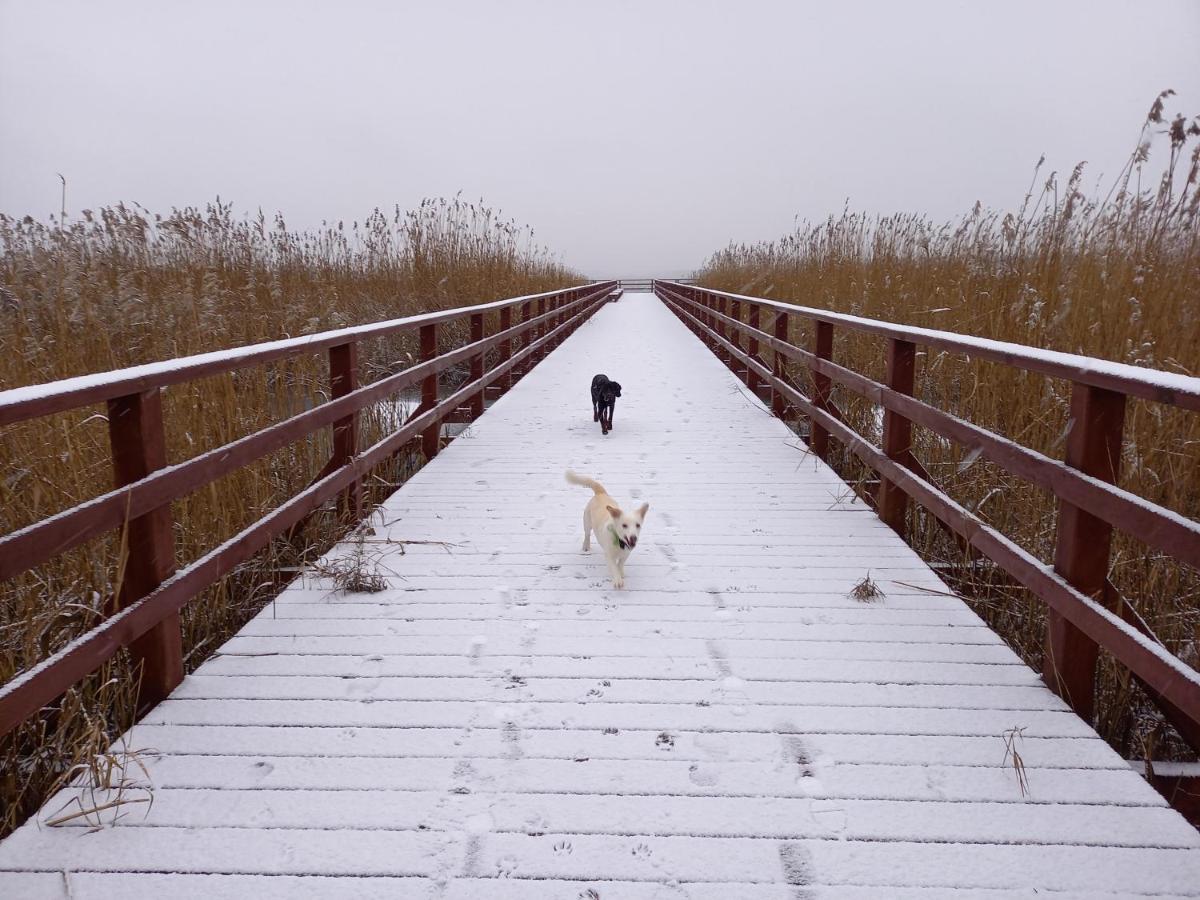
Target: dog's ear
x,y
613,511
642,510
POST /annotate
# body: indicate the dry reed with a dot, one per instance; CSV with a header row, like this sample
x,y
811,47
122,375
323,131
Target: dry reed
x,y
120,286
1114,277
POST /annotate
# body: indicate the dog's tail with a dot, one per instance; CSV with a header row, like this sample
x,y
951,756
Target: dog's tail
x,y
585,482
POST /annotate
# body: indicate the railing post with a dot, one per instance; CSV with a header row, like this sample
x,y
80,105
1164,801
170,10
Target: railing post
x,y
135,430
540,331
892,502
752,379
526,340
818,436
1081,552
778,403
506,380
477,365
343,378
722,353
735,338
431,436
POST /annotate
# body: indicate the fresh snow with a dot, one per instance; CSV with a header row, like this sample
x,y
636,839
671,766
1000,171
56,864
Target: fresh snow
x,y
501,723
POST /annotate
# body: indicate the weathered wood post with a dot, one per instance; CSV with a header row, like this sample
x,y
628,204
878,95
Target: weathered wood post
x,y
506,347
542,331
135,430
892,502
431,436
753,381
823,349
476,402
343,379
1081,553
778,401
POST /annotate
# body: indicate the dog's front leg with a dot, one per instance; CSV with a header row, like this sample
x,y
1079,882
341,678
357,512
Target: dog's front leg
x,y
614,570
587,532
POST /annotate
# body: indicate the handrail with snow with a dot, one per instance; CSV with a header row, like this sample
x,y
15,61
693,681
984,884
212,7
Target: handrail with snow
x,y
35,401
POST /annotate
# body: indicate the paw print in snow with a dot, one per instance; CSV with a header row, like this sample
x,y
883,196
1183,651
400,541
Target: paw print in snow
x,y
641,851
665,741
611,731
595,692
505,866
563,848
589,894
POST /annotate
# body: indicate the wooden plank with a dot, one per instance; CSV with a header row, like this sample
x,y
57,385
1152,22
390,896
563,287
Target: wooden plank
x,y
181,886
621,744
666,815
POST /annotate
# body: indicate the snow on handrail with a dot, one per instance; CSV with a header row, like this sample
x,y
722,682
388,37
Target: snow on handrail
x,y
19,404
1151,384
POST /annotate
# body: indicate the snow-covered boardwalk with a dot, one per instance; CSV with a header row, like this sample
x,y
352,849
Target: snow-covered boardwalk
x,y
500,723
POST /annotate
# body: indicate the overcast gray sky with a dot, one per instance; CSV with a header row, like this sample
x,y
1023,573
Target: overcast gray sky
x,y
635,137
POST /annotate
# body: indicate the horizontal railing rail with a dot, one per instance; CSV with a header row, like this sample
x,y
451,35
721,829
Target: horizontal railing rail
x,y
35,401
152,592
1076,588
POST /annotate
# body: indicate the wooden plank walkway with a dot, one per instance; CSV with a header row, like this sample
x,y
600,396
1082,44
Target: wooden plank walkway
x,y
500,723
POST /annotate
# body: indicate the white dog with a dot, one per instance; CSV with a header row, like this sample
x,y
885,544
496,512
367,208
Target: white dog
x,y
616,531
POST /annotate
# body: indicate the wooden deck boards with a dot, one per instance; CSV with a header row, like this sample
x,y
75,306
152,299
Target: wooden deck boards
x,y
501,723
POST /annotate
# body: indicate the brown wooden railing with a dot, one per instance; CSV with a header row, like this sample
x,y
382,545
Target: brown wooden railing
x,y
1080,600
152,592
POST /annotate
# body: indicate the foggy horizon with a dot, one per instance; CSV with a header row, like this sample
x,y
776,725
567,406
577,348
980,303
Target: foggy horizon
x,y
635,140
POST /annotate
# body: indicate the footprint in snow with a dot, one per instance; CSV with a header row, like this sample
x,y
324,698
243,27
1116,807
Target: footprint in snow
x,y
563,848
505,867
641,851
702,776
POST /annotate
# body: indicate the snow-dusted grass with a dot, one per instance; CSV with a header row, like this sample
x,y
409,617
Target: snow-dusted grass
x,y
1112,277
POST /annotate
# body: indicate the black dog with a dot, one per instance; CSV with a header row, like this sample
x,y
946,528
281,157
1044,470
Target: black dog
x,y
604,400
